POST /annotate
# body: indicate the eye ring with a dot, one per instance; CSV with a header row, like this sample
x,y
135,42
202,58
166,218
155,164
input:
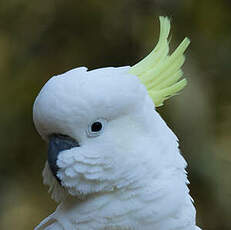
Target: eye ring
x,y
96,127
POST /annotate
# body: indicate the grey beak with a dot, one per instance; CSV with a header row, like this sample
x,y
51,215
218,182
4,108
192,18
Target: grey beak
x,y
57,144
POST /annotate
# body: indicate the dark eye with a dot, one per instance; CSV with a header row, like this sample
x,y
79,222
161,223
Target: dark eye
x,y
96,128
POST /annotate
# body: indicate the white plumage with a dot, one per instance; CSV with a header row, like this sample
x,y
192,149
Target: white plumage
x,y
131,175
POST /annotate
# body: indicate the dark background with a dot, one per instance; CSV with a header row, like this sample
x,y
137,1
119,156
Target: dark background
x,y
41,38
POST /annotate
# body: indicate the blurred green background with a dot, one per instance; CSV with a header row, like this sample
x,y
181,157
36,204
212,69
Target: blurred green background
x,y
41,38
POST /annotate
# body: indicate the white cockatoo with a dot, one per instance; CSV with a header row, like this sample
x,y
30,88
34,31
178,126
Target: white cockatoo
x,y
113,163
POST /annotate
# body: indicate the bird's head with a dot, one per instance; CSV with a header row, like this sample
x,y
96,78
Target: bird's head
x,y
94,123
101,124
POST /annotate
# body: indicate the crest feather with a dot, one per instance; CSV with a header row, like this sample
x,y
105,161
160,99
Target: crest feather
x,y
159,71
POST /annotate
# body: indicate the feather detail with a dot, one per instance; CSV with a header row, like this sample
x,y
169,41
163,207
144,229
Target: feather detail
x,y
58,193
159,71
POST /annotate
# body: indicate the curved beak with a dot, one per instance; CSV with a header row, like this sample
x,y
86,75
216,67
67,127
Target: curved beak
x,y
57,144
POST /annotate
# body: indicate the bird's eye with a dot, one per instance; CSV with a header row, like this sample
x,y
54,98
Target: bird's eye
x,y
95,128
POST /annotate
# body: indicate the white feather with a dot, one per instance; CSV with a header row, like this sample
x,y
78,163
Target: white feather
x,y
132,176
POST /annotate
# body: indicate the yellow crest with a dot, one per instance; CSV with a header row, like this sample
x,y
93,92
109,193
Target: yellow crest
x,y
159,71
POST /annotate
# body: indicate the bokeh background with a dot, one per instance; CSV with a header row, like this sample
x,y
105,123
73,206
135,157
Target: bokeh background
x,y
41,38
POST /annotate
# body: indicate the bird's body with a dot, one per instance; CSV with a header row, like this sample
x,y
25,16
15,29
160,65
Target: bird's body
x,y
113,163
136,209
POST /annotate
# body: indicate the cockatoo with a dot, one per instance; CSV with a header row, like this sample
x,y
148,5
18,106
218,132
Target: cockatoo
x,y
113,163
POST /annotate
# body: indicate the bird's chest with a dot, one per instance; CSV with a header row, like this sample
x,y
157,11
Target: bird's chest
x,y
135,210
107,212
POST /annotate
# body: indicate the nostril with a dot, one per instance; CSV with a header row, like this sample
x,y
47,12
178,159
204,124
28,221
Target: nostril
x,y
60,135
